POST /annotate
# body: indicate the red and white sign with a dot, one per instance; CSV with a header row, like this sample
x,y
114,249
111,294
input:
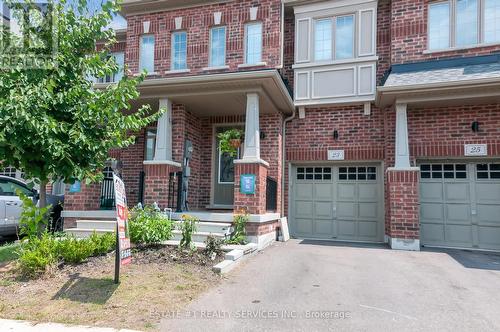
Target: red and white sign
x,y
122,220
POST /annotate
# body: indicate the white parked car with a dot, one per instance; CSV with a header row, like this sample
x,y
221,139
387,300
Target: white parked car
x,y
10,203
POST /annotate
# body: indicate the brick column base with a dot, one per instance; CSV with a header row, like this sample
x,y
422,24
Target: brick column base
x,y
256,203
403,227
88,199
156,183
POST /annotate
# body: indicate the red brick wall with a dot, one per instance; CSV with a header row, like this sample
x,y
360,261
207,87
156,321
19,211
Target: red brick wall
x,y
383,38
402,205
409,34
289,49
157,183
197,22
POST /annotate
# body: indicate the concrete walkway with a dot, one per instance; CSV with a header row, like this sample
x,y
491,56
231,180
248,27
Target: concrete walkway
x,y
323,286
7,325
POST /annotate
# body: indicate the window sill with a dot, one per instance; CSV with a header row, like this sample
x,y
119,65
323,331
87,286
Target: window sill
x,y
249,65
336,62
461,48
178,71
147,75
215,68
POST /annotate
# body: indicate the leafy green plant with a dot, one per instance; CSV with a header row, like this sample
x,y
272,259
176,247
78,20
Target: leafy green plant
x,y
102,244
38,255
238,236
73,250
33,219
213,246
149,226
187,226
229,141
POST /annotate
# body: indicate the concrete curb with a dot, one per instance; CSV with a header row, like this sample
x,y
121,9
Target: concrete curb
x,y
7,325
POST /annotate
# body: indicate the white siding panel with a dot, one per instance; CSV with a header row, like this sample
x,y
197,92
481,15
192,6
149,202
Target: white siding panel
x,y
303,40
334,83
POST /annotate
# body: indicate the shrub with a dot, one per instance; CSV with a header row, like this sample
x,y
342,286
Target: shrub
x,y
213,246
38,255
33,219
73,250
102,244
238,236
187,226
149,226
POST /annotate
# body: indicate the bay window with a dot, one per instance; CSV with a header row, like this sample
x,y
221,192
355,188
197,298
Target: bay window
x,y
326,47
344,37
462,23
323,39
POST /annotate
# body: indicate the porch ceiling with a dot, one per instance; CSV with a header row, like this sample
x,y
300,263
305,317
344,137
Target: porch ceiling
x,y
221,94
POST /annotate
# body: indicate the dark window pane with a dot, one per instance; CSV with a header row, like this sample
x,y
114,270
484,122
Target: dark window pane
x,y
437,167
461,175
494,167
317,176
343,170
460,167
449,175
425,175
352,176
300,170
327,170
327,177
361,169
425,167
482,167
449,167
482,175
309,176
318,170
352,169
361,176
372,176
342,176
495,175
372,170
437,175
300,176
309,170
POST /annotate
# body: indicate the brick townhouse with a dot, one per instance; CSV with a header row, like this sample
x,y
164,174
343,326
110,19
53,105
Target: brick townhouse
x,y
364,120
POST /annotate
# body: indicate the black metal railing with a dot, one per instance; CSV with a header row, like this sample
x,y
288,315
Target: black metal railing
x,y
107,201
173,189
142,178
271,194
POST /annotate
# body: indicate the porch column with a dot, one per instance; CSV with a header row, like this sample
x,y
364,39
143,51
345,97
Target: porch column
x,y
403,231
402,158
251,151
163,149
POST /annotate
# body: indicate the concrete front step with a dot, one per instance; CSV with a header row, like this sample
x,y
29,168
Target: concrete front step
x,y
210,227
197,236
96,224
86,232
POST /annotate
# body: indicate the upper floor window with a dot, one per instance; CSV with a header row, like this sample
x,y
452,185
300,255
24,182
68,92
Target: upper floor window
x,y
217,46
120,61
147,53
342,46
253,43
179,50
150,144
459,23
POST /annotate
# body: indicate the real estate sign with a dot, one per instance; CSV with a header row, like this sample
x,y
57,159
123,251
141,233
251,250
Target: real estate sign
x,y
123,252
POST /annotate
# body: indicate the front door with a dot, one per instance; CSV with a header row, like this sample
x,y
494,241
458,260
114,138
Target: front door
x,y
223,177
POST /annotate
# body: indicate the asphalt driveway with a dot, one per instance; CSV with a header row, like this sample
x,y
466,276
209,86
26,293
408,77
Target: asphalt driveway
x,y
324,286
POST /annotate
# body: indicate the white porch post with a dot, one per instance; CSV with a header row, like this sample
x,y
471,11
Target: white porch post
x,y
163,149
402,146
252,130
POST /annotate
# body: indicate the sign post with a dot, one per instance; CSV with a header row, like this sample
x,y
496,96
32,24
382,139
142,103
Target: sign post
x,y
123,252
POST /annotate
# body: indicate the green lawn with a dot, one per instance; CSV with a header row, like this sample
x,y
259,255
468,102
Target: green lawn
x,y
8,252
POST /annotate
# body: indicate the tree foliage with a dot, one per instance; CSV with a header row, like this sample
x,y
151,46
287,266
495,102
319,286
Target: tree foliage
x,y
54,122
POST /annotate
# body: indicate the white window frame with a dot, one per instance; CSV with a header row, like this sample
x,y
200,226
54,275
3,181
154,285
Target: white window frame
x,y
481,26
140,52
261,42
333,20
172,53
210,60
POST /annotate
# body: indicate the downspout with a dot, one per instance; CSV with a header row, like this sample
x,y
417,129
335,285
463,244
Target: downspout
x,y
283,161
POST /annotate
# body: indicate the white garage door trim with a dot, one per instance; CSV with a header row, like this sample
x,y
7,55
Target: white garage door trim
x,y
460,204
346,201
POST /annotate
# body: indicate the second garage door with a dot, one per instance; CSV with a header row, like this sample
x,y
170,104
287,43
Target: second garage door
x,y
460,204
337,202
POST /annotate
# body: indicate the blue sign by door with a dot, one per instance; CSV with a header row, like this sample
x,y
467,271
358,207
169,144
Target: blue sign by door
x,y
75,187
247,184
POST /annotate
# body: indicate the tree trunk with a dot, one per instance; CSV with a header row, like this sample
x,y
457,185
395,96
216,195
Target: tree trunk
x,y
43,194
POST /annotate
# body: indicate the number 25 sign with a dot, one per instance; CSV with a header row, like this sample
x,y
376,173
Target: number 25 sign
x,y
476,149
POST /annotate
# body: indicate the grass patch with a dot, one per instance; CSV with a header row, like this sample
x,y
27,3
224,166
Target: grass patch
x,y
8,252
